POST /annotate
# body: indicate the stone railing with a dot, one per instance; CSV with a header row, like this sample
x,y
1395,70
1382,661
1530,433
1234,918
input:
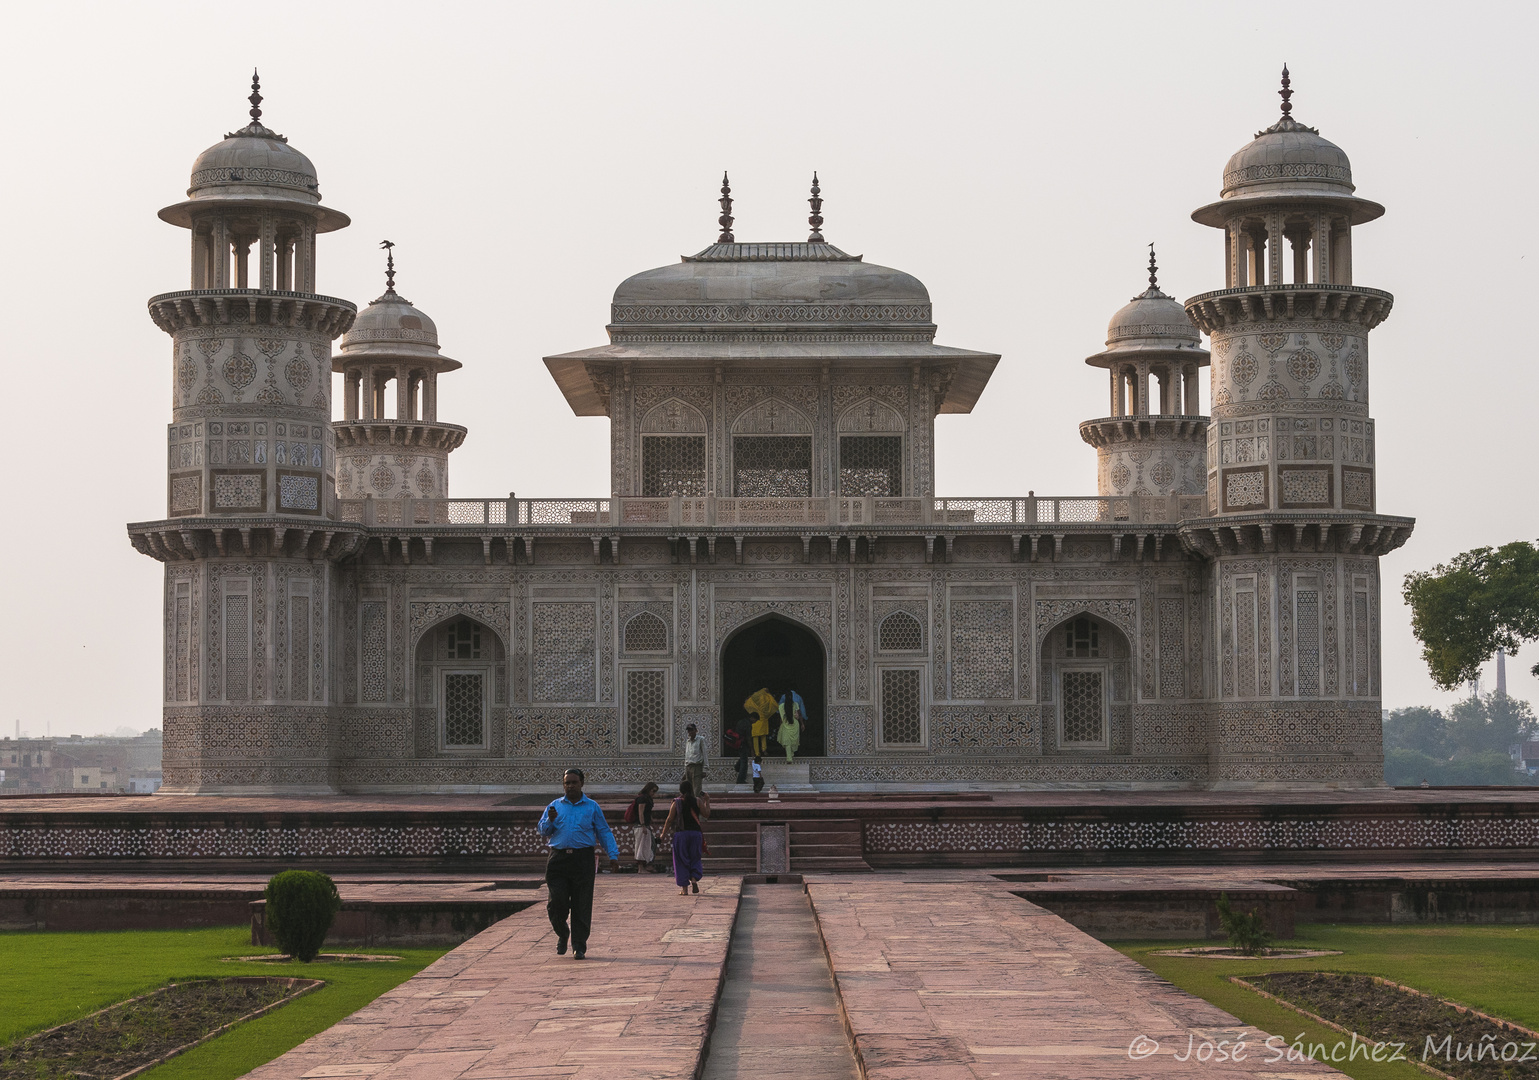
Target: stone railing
x,y
825,512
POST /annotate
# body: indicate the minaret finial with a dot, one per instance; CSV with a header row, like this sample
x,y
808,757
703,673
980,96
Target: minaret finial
x,y
725,221
1285,93
1154,271
816,220
256,97
389,265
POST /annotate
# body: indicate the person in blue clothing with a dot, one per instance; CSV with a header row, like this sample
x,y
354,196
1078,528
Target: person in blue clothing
x,y
574,826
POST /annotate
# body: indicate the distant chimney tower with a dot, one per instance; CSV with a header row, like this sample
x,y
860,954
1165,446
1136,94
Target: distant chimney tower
x,y
1501,672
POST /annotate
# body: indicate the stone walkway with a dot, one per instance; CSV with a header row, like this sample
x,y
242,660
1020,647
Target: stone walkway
x,y
779,1014
959,980
504,1005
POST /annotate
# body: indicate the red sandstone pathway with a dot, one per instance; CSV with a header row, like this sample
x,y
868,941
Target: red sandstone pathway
x,y
959,980
779,1013
504,1005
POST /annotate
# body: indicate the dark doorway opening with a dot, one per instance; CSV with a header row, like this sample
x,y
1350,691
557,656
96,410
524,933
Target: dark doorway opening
x,y
780,656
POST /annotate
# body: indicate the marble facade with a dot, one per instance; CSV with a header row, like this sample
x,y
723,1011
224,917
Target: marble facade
x,y
336,621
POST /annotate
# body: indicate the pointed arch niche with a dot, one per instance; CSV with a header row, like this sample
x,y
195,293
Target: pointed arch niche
x,y
1086,685
777,654
772,453
871,450
462,671
673,458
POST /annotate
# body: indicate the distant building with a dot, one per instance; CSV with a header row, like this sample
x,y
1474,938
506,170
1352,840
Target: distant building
x,y
104,763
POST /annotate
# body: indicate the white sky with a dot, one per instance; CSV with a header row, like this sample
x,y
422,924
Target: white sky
x,y
526,158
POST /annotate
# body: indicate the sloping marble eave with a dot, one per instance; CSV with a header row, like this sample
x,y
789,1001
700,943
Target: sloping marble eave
x,y
570,370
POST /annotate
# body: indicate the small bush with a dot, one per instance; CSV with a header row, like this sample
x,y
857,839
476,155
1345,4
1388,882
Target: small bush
x,y
300,907
1247,934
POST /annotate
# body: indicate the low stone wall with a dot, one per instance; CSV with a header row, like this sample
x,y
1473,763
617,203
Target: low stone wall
x,y
338,834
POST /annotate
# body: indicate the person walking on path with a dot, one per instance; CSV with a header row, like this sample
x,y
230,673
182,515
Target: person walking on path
x,y
762,705
640,816
790,734
758,775
684,819
694,759
573,826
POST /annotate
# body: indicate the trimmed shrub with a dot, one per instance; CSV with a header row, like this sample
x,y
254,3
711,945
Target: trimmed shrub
x,y
300,907
1247,932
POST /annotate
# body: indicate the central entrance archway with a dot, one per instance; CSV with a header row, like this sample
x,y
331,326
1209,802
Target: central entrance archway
x,y
778,655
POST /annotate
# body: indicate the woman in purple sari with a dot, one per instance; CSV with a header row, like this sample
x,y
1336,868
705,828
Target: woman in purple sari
x,y
684,819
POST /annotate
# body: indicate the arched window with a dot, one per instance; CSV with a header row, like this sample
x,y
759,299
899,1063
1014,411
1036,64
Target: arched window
x,y
900,632
645,632
462,670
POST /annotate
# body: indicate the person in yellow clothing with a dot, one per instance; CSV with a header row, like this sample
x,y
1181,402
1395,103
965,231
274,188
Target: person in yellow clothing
x,y
763,705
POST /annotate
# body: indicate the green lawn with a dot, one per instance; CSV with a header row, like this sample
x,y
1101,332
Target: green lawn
x,y
52,978
1493,968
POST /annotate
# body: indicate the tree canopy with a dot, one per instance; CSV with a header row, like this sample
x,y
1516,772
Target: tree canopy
x,y
1468,746
1482,600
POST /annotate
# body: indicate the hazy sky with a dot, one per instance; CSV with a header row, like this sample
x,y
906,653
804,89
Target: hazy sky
x,y
1017,158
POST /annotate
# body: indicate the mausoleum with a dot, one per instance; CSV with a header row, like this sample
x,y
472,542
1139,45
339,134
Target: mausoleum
x,y
337,620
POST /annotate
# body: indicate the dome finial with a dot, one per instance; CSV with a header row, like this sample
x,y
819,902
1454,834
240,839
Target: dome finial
x,y
816,220
1154,271
256,97
1285,93
725,221
389,265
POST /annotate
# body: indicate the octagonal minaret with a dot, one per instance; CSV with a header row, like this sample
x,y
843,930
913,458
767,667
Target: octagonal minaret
x,y
251,403
1291,530
251,589
392,351
1290,425
1153,441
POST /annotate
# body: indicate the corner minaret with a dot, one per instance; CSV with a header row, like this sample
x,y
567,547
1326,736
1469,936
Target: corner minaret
x,y
1152,443
251,387
250,536
1291,429
393,450
1291,529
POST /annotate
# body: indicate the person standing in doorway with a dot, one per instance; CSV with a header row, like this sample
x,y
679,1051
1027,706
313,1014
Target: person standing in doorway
x,y
762,705
694,759
573,826
792,720
684,819
744,732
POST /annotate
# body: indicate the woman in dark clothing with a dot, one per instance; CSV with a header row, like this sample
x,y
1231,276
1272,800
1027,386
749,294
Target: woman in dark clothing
x,y
684,819
643,818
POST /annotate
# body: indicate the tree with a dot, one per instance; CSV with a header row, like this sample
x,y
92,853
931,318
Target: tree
x,y
1488,725
1418,729
1463,611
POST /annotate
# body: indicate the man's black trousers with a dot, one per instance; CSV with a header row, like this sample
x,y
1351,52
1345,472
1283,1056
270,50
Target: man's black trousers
x,y
569,879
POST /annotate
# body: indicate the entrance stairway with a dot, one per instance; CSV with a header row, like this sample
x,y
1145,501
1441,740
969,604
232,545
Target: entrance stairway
x,y
817,845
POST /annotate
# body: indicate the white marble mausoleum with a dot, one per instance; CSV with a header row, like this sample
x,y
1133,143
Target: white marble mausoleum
x,y
337,619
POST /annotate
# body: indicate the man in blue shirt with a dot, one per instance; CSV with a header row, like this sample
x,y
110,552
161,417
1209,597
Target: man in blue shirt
x,y
573,826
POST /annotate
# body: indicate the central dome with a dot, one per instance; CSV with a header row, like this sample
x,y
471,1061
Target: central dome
x,y
748,288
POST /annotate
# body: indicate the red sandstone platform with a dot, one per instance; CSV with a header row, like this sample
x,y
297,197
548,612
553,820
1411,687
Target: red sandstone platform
x,y
489,834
